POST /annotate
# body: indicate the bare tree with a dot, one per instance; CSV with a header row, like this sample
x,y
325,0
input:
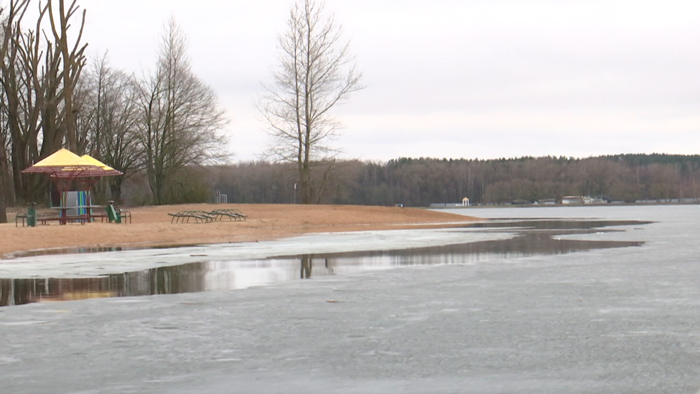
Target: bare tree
x,y
33,84
5,183
315,72
106,104
181,117
11,84
10,25
73,60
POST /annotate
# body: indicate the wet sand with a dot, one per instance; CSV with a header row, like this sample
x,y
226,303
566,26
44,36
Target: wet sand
x,y
151,226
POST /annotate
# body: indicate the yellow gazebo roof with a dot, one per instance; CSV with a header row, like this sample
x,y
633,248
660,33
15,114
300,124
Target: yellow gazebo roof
x,y
98,163
66,164
62,158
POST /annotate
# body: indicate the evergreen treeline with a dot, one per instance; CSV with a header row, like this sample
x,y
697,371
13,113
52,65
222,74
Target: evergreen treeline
x,y
421,182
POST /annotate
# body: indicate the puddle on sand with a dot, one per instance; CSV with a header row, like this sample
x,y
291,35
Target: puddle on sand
x,y
533,237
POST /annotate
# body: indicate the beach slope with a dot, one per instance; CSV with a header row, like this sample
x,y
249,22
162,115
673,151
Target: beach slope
x,y
151,226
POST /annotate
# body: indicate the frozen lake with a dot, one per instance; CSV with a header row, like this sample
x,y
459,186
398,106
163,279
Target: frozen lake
x,y
96,274
537,300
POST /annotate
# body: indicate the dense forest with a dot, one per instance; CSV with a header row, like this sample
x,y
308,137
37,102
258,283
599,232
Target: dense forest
x,y
424,181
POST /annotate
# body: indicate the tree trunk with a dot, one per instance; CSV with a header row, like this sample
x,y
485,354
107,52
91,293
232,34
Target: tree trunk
x,y
3,185
115,188
73,62
18,164
305,182
3,209
5,188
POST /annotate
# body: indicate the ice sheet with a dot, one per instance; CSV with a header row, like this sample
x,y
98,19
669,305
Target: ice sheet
x,y
96,264
617,321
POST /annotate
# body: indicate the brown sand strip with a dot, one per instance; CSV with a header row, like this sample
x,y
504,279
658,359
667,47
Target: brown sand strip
x,y
151,226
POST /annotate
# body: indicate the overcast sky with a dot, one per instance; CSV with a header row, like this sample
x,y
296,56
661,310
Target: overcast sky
x,y
451,78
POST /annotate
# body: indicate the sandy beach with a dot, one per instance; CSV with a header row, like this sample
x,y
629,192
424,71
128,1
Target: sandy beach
x,y
151,226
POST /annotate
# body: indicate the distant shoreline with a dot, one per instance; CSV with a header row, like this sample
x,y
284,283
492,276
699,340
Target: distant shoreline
x,y
614,204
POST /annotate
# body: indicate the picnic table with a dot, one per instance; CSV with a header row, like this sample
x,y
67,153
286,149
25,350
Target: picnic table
x,y
64,217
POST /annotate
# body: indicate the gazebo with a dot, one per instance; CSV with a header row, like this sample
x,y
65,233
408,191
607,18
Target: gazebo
x,y
66,168
64,164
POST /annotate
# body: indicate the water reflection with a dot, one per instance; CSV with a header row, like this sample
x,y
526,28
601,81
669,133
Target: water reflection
x,y
306,266
536,237
165,280
554,224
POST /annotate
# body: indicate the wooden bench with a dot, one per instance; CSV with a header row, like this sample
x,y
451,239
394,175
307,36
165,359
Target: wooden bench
x,y
23,216
101,213
63,220
124,215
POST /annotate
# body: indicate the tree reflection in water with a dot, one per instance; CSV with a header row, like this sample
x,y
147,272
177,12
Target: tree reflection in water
x,y
185,278
533,237
307,266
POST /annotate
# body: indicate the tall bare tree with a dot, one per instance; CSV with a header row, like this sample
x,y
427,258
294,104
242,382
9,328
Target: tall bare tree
x,y
107,108
6,184
6,192
9,101
315,73
73,60
34,73
11,82
181,117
